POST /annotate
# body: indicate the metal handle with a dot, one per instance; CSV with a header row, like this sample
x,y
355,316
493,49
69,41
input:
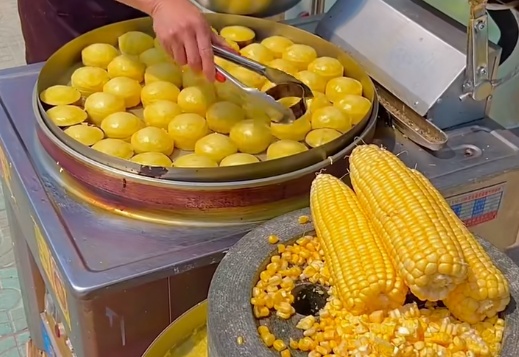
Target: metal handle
x,y
231,78
318,7
477,83
239,60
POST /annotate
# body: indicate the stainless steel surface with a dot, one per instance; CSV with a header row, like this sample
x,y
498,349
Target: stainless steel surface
x,y
259,8
267,101
179,330
417,54
477,83
145,271
60,66
318,7
118,270
412,126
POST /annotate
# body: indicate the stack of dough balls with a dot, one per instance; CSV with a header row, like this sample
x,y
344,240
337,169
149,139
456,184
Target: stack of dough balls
x,y
135,103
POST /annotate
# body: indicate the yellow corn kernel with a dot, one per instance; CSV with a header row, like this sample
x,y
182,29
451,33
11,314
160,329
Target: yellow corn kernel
x,y
361,269
273,239
240,340
306,344
285,353
415,228
486,291
293,344
260,312
320,349
306,322
303,219
279,345
263,330
268,339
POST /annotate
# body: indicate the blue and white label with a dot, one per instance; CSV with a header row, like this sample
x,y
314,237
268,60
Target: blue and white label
x,y
478,206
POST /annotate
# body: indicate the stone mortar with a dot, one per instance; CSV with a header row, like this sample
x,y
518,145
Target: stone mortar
x,y
230,313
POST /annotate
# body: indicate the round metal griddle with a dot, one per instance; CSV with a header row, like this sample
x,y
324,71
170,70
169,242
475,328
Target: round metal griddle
x,y
60,66
230,312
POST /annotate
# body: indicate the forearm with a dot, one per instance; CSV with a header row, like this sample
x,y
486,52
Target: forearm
x,y
146,6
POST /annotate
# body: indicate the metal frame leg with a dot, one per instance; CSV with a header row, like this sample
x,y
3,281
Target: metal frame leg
x,y
31,282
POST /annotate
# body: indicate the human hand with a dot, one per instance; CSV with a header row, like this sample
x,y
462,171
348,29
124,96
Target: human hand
x,y
184,32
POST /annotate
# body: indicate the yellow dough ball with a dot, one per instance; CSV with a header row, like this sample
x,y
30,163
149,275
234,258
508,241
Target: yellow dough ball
x,y
121,125
60,95
215,146
135,42
126,66
100,105
288,101
88,80
319,137
294,131
86,134
257,52
283,65
247,77
318,101
223,63
300,55
126,88
268,85
284,148
233,45
194,161
166,71
314,81
227,92
159,90
239,159
222,116
156,159
355,107
153,56
327,67
98,55
160,113
66,115
191,78
152,139
157,44
251,136
331,118
186,129
195,100
277,45
256,112
114,147
337,88
240,34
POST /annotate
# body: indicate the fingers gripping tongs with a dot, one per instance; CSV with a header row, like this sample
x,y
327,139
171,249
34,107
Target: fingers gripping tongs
x,y
285,86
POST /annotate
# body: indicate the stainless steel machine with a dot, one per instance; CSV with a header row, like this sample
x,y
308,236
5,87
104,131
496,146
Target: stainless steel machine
x,y
100,278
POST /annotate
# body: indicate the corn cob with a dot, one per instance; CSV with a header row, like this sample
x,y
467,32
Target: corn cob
x,y
415,228
486,291
362,272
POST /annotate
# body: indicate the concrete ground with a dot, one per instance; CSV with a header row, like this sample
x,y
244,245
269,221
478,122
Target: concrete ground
x,y
13,326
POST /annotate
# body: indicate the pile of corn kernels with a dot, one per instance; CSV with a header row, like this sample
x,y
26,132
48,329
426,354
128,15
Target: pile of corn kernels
x,y
409,331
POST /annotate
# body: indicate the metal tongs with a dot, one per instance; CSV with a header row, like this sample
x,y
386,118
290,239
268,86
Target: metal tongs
x,y
285,86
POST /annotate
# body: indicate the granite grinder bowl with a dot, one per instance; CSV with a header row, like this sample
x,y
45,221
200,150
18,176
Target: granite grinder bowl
x,y
230,313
